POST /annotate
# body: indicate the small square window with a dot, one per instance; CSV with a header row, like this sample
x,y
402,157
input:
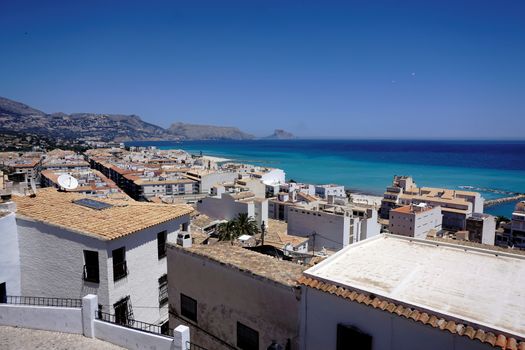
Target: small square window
x,y
188,307
247,338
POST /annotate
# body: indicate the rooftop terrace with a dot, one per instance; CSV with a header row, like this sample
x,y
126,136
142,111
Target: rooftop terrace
x,y
476,286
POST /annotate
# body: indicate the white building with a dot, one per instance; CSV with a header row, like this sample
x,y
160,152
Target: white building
x,y
393,292
71,246
270,176
517,225
324,191
415,220
332,228
9,255
228,206
481,228
209,178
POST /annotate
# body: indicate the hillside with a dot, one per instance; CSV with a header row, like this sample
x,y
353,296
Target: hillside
x,y
207,132
18,117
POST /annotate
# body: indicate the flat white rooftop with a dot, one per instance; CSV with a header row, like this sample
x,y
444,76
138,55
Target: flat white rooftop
x,y
479,286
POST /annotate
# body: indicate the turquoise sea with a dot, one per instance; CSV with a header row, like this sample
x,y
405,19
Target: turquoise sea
x,y
495,167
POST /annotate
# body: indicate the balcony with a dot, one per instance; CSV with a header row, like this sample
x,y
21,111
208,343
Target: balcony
x,y
91,273
120,270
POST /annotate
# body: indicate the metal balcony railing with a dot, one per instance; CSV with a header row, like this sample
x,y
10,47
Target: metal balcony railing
x,y
130,323
43,301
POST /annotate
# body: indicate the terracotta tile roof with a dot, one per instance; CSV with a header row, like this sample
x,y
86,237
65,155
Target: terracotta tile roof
x,y
277,235
242,195
265,266
412,209
123,218
496,340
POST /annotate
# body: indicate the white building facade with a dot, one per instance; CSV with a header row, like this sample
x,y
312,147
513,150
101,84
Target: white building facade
x,y
415,220
228,206
386,294
127,271
331,230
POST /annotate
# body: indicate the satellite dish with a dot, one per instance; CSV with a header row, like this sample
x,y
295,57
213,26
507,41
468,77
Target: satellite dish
x,y
67,182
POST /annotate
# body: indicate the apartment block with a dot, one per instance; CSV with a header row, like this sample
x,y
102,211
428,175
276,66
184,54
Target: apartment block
x,y
415,220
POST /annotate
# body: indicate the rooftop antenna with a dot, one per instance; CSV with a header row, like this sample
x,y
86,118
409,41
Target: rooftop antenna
x,y
67,182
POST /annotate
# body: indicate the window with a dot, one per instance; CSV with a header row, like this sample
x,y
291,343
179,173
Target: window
x,y
120,269
184,226
188,307
122,311
91,266
163,290
161,244
247,338
165,328
350,338
3,293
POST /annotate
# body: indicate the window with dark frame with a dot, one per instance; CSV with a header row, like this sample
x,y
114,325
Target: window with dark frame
x,y
188,307
350,338
161,244
120,269
163,290
165,328
247,338
122,311
3,293
91,272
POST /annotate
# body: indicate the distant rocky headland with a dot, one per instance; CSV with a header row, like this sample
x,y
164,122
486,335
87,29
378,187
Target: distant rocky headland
x,y
280,134
21,118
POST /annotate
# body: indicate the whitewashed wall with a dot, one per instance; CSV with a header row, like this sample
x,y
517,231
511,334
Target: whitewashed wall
x,y
131,338
333,231
58,319
224,207
52,262
144,270
208,181
9,255
322,312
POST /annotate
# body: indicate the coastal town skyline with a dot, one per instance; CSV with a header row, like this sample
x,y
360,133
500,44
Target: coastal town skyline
x,y
289,65
262,175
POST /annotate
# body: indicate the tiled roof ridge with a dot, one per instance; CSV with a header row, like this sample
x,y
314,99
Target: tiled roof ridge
x,y
496,340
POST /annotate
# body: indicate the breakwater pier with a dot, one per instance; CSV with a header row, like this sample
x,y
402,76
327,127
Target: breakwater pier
x,y
497,201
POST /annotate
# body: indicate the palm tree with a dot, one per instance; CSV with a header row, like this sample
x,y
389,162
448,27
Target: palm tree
x,y
228,231
246,225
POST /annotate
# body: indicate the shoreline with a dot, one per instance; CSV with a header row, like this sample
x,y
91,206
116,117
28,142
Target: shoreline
x,y
432,175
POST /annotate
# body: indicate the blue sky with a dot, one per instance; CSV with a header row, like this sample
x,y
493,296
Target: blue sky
x,y
345,69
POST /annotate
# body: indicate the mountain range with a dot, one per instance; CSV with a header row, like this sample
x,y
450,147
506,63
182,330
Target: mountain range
x,y
18,117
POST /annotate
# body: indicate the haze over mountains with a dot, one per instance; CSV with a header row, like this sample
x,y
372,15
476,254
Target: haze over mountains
x,y
19,117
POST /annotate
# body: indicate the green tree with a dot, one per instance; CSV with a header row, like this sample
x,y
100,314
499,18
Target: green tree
x,y
228,231
246,225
